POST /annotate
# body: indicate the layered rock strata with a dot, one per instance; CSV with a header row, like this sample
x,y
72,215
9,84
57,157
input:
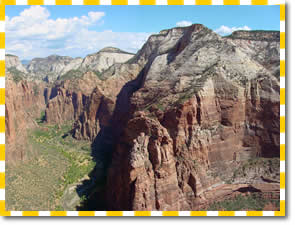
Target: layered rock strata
x,y
24,102
13,62
201,105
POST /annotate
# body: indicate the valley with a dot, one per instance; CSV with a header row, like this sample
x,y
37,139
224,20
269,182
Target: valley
x,y
189,122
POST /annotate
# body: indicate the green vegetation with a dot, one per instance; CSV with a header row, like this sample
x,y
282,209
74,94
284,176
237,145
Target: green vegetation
x,y
267,165
42,118
183,98
36,90
17,75
250,202
10,55
72,74
98,74
60,162
160,106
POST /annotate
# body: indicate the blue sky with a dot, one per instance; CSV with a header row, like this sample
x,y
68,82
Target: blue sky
x,y
37,31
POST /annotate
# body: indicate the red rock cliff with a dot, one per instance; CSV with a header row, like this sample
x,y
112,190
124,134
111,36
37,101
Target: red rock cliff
x,y
24,103
201,106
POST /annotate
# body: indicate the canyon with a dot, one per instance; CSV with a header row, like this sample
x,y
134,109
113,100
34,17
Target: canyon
x,y
190,119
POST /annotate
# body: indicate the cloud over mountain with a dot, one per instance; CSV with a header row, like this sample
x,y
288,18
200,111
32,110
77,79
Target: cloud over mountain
x,y
184,23
225,30
34,34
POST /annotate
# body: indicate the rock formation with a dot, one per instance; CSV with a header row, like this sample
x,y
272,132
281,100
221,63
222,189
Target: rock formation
x,y
68,98
181,118
24,103
262,46
54,66
51,66
12,61
105,58
201,106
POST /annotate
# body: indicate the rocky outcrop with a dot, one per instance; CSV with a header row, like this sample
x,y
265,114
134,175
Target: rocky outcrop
x,y
68,98
256,35
50,67
100,107
13,62
105,58
89,98
97,114
54,66
262,46
201,105
151,155
24,102
100,104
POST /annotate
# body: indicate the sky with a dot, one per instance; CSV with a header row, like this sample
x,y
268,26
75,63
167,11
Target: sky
x,y
40,31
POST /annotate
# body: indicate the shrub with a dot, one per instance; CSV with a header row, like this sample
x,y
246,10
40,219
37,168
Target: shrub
x,y
36,90
17,75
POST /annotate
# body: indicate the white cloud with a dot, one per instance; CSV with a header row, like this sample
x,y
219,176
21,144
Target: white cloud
x,y
36,12
183,23
224,30
95,16
33,34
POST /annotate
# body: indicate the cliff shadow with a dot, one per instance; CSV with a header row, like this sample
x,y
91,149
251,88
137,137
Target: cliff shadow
x,y
93,191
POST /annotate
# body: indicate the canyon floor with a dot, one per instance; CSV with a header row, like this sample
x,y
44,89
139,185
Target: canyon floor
x,y
50,177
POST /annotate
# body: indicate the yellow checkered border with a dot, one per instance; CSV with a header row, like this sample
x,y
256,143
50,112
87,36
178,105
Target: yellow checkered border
x,y
3,212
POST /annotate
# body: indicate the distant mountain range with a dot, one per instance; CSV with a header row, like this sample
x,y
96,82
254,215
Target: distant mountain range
x,y
54,66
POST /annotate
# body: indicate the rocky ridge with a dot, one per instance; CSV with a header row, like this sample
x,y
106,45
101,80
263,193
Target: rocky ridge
x,y
202,104
52,67
71,97
262,46
24,102
13,62
106,57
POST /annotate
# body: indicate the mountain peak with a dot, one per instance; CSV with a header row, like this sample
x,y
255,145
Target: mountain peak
x,y
10,55
193,27
114,50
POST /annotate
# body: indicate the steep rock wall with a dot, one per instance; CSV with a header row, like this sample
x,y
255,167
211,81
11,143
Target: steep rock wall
x,y
198,113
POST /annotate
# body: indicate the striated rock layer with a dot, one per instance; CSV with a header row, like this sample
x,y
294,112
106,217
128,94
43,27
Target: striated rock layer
x,y
200,108
12,61
262,46
184,116
54,66
24,102
105,58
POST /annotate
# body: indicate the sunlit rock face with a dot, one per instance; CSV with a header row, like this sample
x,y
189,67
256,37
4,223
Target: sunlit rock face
x,y
202,106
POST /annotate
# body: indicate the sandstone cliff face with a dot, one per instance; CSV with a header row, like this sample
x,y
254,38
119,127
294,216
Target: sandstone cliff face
x,y
100,105
12,61
256,35
263,47
54,66
24,103
88,100
97,114
68,98
184,114
105,58
201,106
50,67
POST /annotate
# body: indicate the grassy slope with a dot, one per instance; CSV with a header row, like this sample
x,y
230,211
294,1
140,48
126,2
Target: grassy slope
x,y
60,161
